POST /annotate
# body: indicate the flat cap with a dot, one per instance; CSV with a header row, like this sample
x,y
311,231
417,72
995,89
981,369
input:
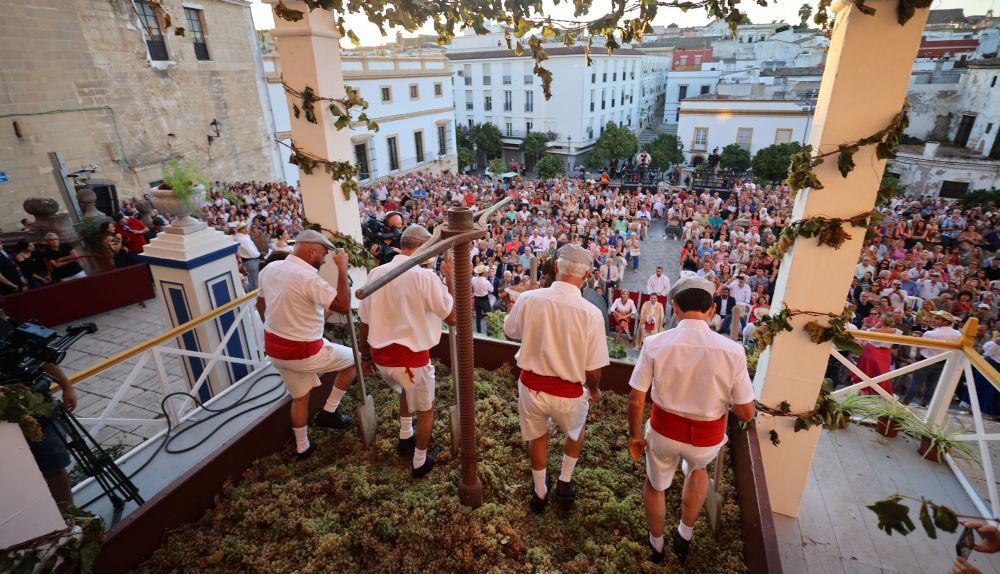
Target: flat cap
x,y
576,254
310,236
418,232
692,282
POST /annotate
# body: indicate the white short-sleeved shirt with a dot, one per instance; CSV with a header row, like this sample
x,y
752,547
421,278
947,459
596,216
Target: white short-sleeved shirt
x,y
561,333
628,306
409,311
939,334
658,284
693,371
296,299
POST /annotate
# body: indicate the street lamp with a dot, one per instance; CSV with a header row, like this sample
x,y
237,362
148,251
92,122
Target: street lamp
x,y
215,126
569,152
475,154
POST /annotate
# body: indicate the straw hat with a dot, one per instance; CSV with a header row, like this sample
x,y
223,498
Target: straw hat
x,y
942,314
480,269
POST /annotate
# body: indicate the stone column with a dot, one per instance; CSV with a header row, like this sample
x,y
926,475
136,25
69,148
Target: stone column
x,y
310,56
194,271
864,86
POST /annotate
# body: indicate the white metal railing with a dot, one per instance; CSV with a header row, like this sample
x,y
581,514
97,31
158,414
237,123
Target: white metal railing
x,y
150,362
959,359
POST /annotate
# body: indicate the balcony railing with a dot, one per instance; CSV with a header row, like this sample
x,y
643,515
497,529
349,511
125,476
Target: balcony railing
x,y
237,316
959,358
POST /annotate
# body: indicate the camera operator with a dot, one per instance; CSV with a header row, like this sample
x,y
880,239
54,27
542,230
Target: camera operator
x,y
385,236
50,453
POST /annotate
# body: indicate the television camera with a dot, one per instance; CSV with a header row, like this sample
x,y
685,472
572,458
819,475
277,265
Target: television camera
x,y
377,232
25,350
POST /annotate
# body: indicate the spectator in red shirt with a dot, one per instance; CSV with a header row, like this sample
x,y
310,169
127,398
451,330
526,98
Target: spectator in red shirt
x,y
133,232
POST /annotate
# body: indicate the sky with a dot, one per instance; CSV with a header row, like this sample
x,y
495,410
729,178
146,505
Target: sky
x,y
786,10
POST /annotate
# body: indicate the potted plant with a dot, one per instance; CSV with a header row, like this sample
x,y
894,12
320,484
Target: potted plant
x,y
181,191
890,416
843,409
936,441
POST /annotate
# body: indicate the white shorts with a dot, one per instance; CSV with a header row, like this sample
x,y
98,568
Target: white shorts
x,y
419,390
662,455
301,375
535,409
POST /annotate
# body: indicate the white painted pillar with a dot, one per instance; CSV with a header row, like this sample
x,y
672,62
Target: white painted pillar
x,y
864,86
27,510
310,56
951,374
195,271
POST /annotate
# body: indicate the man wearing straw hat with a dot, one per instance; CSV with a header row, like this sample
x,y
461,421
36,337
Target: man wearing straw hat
x,y
693,375
399,325
563,350
944,330
481,289
294,302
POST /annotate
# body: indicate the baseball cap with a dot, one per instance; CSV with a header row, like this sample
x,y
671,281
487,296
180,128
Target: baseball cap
x,y
692,282
311,236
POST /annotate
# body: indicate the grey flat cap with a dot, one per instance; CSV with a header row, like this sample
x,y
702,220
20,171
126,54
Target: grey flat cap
x,y
418,232
692,282
310,236
576,254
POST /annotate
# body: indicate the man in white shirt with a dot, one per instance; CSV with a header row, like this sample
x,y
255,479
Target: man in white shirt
x,y
248,254
693,375
563,350
932,287
294,302
481,289
740,290
399,325
928,376
658,284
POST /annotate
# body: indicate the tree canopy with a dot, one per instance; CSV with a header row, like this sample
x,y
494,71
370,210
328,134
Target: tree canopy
x,y
615,142
534,146
665,150
771,163
735,157
487,139
550,166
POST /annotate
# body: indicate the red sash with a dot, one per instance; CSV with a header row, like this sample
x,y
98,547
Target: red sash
x,y
551,385
287,350
688,431
396,355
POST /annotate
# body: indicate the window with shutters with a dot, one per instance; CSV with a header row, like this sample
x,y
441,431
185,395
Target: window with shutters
x,y
151,26
393,153
418,144
196,31
743,137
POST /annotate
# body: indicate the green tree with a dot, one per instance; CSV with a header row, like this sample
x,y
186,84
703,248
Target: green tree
x,y
497,166
665,150
465,158
615,142
734,157
771,163
805,11
550,166
534,147
487,138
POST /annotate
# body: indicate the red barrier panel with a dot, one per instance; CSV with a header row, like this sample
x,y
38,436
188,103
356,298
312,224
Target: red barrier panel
x,y
81,298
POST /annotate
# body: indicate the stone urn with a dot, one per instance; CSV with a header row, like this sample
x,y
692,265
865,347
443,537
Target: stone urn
x,y
166,201
87,199
43,209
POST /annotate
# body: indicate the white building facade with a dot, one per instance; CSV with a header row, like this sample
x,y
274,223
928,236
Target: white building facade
x,y
498,87
410,97
687,84
707,124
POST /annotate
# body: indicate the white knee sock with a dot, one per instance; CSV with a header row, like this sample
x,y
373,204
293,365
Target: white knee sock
x,y
685,531
333,401
656,542
538,477
405,427
569,463
301,438
419,457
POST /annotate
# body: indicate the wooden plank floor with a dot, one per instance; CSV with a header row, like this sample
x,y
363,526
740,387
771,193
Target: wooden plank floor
x,y
836,533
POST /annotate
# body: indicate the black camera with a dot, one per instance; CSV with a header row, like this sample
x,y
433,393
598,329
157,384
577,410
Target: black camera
x,y
26,348
377,233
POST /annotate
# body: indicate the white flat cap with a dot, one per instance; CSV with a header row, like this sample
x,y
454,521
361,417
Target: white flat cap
x,y
692,282
576,254
418,232
311,236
